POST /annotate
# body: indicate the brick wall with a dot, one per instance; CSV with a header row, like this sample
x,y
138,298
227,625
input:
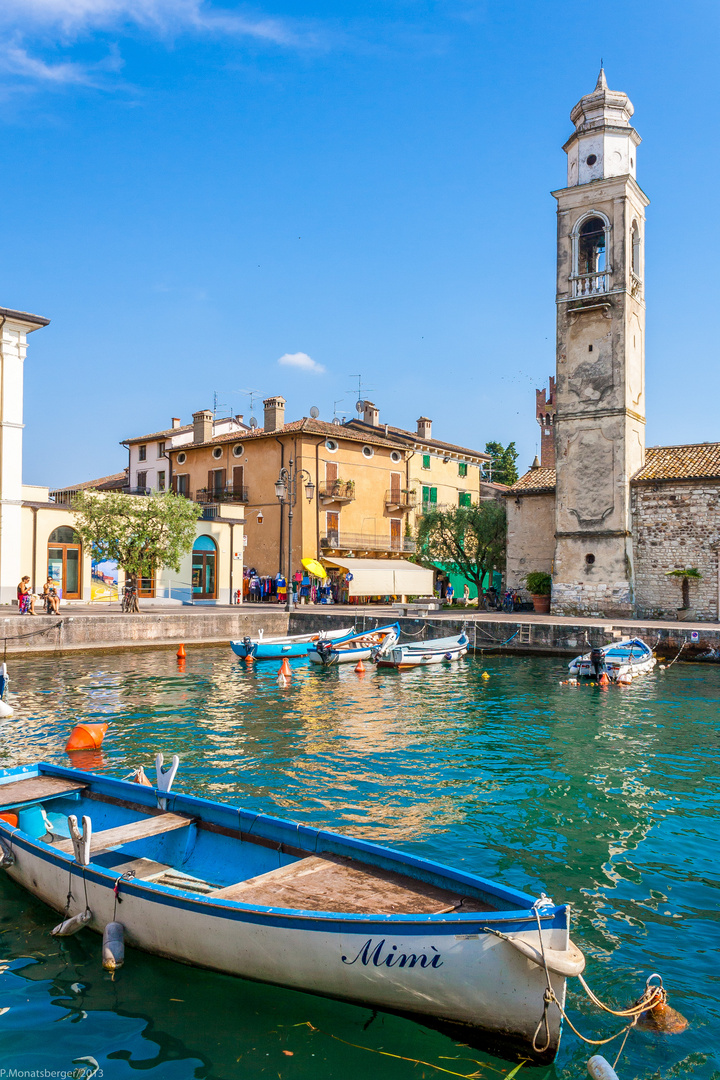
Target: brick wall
x,y
675,526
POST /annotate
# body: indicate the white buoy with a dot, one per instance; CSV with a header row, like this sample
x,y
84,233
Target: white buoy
x,y
71,926
600,1069
113,947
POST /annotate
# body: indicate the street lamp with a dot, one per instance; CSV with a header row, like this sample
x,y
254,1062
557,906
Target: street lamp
x,y
286,489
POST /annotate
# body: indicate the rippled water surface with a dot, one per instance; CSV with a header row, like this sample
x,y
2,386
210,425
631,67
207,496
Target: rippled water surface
x,y
607,799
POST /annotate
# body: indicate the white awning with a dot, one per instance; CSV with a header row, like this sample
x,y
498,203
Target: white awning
x,y
384,577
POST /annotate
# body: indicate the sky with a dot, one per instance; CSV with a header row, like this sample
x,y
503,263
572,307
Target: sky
x,y
211,198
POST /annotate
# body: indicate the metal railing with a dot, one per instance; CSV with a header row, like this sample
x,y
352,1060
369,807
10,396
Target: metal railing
x,y
401,498
366,542
137,491
591,284
337,490
229,493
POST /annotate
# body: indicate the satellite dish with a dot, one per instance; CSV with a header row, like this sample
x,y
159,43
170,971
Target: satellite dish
x,y
314,412
337,420
253,422
360,407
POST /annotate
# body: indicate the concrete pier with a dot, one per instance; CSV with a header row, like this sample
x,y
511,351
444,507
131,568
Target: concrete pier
x,y
526,633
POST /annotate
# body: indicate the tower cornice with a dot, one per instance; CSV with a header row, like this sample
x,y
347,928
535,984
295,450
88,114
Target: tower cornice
x,y
607,187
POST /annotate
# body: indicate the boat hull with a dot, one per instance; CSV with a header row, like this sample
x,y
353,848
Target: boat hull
x,y
404,657
279,648
623,661
339,656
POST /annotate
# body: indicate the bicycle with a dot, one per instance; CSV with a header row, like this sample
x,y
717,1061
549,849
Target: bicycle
x,y
129,600
491,600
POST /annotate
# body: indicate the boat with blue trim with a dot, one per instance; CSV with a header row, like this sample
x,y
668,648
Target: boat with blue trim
x,y
421,653
276,648
368,645
251,895
620,661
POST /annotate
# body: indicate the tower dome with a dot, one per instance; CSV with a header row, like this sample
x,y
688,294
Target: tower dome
x,y
604,142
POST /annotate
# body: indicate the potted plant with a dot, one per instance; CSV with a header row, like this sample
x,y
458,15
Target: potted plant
x,y
691,573
539,585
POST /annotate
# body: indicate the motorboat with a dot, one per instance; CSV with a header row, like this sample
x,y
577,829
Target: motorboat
x,y
620,661
275,648
240,892
371,644
420,653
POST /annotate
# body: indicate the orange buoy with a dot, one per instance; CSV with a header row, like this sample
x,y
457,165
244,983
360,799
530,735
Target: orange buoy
x,y
181,653
181,663
86,737
282,680
662,1019
12,819
360,667
603,680
285,668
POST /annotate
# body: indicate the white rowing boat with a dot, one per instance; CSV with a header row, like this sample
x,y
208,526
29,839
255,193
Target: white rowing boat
x,y
422,653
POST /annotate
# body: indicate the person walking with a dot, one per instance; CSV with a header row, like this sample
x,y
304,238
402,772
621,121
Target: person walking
x,y
449,593
466,594
26,597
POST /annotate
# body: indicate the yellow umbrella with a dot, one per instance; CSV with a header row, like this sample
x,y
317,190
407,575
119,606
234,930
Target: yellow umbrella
x,y
314,567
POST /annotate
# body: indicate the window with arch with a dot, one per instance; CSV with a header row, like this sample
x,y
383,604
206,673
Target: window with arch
x,y
635,244
64,555
590,255
204,569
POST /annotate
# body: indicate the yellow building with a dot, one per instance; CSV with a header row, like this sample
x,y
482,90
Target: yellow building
x,y
359,489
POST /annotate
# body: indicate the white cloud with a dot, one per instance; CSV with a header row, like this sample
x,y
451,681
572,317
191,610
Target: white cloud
x,y
75,17
302,361
15,60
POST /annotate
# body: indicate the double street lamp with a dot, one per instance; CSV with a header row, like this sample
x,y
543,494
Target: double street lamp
x,y
286,489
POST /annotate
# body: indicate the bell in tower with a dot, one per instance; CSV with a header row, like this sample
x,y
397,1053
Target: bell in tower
x,y
600,380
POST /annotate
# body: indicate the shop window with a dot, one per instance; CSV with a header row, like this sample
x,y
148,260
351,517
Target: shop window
x,y
462,468
426,461
65,561
204,569
142,452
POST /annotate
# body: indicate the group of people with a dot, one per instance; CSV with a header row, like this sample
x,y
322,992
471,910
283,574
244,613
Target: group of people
x,y
27,598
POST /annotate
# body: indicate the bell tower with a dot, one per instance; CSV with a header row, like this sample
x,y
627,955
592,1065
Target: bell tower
x,y
600,382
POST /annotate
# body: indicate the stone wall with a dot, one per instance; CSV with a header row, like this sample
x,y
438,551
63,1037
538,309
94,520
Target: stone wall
x,y
531,536
676,525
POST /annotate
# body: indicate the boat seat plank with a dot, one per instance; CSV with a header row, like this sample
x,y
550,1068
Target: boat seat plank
x,y
334,883
125,834
36,788
141,869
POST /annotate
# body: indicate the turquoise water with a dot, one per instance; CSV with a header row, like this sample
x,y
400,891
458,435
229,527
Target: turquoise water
x,y
606,799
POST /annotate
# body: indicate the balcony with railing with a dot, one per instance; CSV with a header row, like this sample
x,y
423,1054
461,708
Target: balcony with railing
x,y
400,499
591,284
230,493
365,542
337,491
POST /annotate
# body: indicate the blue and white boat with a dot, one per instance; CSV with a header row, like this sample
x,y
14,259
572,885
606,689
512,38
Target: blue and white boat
x,y
276,648
371,644
250,895
621,661
421,653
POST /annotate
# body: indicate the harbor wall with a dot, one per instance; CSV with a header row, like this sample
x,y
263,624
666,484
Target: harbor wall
x,y
529,636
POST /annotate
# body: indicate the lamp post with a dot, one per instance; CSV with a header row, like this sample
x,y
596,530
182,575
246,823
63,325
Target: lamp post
x,y
286,489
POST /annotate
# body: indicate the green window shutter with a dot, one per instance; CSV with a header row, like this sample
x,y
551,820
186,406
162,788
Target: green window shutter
x,y
462,468
426,495
464,498
433,495
426,461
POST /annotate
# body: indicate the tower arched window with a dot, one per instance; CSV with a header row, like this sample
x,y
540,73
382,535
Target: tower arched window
x,y
635,241
590,261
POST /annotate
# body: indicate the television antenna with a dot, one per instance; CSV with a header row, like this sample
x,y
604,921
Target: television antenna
x,y
336,420
252,394
217,405
360,390
314,412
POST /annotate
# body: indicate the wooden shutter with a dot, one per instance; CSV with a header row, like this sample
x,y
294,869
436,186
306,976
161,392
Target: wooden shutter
x,y
173,484
331,472
238,479
221,480
395,481
211,480
395,533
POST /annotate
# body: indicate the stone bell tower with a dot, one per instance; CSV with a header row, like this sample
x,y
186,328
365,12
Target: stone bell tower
x,y
600,396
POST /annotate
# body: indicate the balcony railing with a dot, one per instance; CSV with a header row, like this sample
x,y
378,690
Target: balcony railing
x,y
341,491
229,493
137,491
366,542
400,499
591,284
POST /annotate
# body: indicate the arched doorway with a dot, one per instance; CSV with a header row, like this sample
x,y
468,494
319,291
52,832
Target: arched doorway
x,y
65,561
204,569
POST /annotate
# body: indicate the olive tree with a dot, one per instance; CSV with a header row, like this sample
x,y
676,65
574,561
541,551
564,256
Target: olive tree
x,y
469,540
140,534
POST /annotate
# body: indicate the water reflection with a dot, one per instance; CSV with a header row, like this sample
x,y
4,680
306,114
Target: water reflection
x,y
603,798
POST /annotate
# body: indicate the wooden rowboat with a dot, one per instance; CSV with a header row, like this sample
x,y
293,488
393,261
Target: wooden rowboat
x,y
370,644
250,895
422,653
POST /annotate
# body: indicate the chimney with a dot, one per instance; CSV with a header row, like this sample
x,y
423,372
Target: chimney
x,y
274,413
175,421
371,414
202,426
239,419
545,415
424,427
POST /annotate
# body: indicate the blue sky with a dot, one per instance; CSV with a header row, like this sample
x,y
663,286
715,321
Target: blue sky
x,y
191,191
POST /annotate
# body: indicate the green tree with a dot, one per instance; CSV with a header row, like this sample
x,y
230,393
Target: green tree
x,y
468,540
141,534
504,469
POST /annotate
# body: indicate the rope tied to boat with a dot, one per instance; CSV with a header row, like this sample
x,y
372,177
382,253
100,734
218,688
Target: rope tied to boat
x,y
127,876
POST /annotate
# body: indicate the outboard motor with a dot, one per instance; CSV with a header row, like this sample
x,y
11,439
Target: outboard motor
x,y
324,649
247,642
597,659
